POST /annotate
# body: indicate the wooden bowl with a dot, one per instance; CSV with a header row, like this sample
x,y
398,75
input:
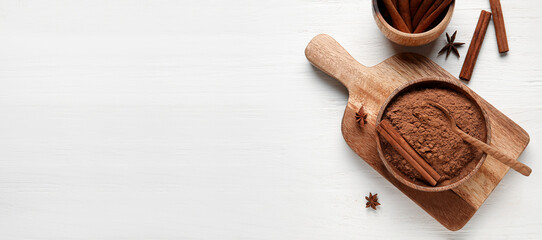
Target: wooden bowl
x,y
411,39
430,82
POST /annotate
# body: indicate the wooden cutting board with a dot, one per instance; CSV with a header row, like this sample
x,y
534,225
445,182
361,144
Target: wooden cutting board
x,y
370,86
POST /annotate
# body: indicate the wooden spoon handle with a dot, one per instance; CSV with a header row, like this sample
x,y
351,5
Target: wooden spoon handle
x,y
514,164
329,56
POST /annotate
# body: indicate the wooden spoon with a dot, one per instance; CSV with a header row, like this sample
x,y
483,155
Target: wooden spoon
x,y
494,152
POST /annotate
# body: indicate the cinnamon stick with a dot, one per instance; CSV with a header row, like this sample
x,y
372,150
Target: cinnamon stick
x,y
498,21
404,10
475,45
433,7
405,155
424,6
426,21
404,144
396,18
414,5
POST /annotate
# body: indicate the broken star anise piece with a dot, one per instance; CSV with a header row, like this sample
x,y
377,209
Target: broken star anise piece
x,y
372,201
361,117
451,46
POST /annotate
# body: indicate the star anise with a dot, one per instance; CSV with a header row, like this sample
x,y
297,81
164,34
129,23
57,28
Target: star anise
x,y
451,45
361,117
372,201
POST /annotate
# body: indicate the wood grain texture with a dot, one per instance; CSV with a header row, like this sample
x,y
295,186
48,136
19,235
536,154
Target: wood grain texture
x,y
370,87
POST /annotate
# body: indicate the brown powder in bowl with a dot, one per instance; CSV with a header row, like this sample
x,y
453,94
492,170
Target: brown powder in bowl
x,y
426,129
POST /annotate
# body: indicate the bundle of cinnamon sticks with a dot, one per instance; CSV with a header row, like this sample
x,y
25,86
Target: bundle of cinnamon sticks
x,y
415,16
394,138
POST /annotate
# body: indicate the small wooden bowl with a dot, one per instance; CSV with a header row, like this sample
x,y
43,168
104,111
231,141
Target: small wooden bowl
x,y
430,82
411,39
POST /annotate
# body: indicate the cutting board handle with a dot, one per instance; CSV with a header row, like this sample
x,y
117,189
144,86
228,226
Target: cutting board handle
x,y
329,56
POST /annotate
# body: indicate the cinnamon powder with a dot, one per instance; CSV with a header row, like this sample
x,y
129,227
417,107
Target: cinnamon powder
x,y
427,130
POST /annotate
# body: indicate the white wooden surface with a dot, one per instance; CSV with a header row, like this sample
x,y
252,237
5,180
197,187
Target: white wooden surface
x,y
203,120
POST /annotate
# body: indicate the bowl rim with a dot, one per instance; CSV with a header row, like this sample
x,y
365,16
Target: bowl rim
x,y
434,30
427,80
